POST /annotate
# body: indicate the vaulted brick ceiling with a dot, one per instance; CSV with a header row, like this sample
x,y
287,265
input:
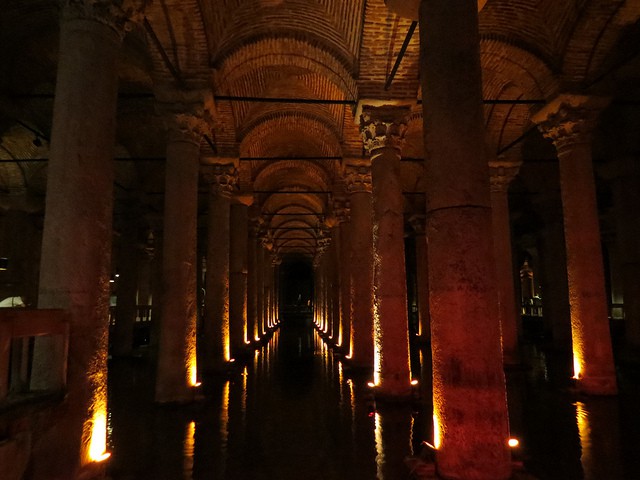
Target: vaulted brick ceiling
x,y
337,51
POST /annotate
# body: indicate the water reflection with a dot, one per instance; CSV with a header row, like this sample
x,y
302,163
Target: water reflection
x,y
294,411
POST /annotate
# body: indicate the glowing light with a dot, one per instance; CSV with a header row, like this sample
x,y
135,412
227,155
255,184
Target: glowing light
x,y
377,345
414,382
189,446
371,384
257,338
380,460
586,442
98,446
231,360
348,356
577,366
437,433
513,442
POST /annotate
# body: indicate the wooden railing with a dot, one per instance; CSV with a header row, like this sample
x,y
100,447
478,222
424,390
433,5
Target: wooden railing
x,y
18,328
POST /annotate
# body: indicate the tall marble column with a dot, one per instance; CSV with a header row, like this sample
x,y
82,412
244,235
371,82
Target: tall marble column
x,y
502,173
333,263
358,177
469,396
418,223
344,271
76,244
569,121
260,258
238,261
216,335
383,131
177,368
253,325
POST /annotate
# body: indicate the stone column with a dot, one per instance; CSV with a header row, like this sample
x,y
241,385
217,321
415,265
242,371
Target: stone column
x,y
260,288
502,173
358,176
418,223
177,369
333,263
238,251
568,121
469,395
344,262
216,336
383,132
253,325
76,244
277,261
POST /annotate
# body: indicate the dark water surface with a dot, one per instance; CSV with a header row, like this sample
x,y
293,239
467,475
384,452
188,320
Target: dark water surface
x,y
293,413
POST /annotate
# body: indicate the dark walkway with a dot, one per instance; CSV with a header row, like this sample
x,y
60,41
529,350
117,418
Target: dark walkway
x,y
293,414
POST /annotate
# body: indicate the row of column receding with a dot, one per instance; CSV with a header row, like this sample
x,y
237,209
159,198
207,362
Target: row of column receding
x,y
470,413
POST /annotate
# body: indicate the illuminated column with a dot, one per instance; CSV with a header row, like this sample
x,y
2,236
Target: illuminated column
x,y
383,131
358,176
568,121
176,351
267,245
277,261
253,325
418,223
238,261
333,263
502,173
260,286
469,395
344,262
216,335
76,243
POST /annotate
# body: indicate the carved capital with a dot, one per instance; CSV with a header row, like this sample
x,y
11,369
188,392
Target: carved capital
x,y
569,119
275,260
341,210
186,127
383,126
502,173
116,14
222,178
358,178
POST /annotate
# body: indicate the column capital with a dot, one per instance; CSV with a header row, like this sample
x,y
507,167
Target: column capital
x,y
243,198
383,126
502,172
275,260
358,177
118,15
223,178
187,113
569,119
342,211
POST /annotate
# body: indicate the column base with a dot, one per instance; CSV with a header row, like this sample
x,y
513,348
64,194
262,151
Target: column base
x,y
394,394
606,385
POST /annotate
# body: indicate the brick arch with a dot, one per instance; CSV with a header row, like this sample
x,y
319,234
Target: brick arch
x,y
290,135
505,123
287,173
535,77
595,35
283,53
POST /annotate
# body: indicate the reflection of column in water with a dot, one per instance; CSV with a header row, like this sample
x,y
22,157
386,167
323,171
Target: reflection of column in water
x,y
189,443
598,426
224,428
393,426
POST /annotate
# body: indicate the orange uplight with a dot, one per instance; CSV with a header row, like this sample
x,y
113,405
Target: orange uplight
x,y
577,366
513,442
414,382
437,434
371,384
98,446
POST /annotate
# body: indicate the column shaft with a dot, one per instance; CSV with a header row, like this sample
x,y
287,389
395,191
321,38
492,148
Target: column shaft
x,y
176,350
238,278
252,288
216,301
345,286
422,274
76,245
469,395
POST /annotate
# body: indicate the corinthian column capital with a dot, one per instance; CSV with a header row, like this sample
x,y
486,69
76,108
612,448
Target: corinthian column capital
x,y
223,178
570,119
116,14
358,177
502,172
383,126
